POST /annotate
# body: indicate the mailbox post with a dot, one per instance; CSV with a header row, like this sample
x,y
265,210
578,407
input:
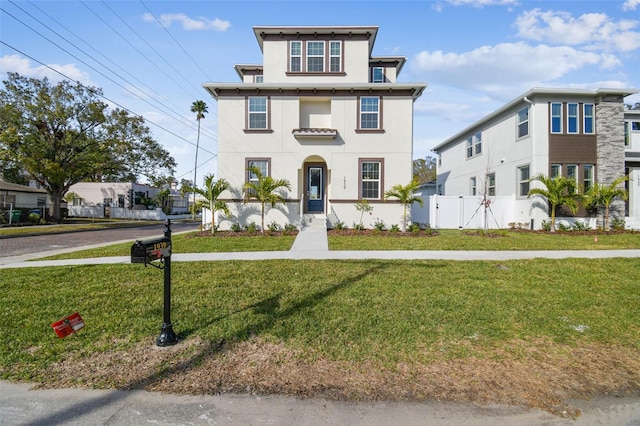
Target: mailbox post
x,y
159,249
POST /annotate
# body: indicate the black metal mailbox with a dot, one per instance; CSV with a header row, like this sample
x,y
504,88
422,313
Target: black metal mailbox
x,y
149,250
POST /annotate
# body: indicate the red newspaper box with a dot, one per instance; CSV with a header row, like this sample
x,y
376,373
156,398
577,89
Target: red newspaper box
x,y
68,325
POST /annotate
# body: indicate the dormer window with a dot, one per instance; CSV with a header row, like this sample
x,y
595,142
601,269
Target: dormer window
x,y
377,75
316,56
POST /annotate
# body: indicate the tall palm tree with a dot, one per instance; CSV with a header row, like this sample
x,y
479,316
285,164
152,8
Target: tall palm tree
x,y
200,108
211,191
603,195
558,191
264,190
406,195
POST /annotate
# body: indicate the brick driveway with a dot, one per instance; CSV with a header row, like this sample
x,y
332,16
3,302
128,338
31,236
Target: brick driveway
x,y
17,246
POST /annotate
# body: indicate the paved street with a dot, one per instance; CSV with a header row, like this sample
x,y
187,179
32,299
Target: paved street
x,y
19,246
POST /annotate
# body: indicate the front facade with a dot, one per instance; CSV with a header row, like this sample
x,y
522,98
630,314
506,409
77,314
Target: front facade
x,y
322,113
579,134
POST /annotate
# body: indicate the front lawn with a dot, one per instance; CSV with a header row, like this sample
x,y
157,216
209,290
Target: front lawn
x,y
535,332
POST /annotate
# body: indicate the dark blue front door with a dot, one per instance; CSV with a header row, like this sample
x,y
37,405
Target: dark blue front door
x,y
315,189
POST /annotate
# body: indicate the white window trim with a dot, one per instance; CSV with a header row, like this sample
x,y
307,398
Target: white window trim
x,y
551,116
576,116
362,180
376,113
291,56
522,181
373,75
315,56
265,112
339,56
592,116
520,123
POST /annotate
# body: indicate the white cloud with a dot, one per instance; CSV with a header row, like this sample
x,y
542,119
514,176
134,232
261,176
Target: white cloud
x,y
189,24
594,31
24,67
482,3
507,65
630,5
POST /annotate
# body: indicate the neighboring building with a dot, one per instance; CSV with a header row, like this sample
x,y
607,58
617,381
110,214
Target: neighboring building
x,y
113,199
14,196
578,134
326,115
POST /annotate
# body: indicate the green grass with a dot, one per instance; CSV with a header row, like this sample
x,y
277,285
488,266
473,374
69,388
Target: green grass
x,y
378,311
448,239
191,243
72,227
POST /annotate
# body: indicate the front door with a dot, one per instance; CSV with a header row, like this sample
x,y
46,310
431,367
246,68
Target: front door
x,y
315,189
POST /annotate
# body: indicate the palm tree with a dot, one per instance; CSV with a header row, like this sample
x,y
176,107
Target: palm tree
x,y
264,189
199,107
211,191
406,196
559,191
603,195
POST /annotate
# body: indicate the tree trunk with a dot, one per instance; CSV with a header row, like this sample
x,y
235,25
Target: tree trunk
x,y
55,210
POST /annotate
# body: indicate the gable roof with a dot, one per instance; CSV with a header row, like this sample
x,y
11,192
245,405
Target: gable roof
x,y
14,187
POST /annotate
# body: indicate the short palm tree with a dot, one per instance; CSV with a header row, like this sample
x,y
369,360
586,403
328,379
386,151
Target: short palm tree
x,y
211,192
558,191
263,189
406,195
603,195
200,108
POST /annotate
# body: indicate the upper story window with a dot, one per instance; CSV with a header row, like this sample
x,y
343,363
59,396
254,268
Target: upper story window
x,y
315,56
572,118
371,179
556,117
474,145
588,119
258,79
523,122
335,56
257,113
369,113
295,56
377,75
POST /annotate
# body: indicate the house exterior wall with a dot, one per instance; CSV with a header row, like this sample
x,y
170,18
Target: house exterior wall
x,y
313,120
505,154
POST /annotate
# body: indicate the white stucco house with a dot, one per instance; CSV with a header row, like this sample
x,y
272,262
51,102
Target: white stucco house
x,y
324,113
122,200
586,135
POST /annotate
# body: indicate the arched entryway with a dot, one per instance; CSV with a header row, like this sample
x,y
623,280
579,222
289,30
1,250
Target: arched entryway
x,y
315,186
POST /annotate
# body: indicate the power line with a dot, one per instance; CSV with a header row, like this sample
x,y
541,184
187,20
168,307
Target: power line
x,y
105,97
88,65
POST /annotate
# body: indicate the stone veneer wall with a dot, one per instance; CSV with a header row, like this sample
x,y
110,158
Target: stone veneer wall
x,y
610,144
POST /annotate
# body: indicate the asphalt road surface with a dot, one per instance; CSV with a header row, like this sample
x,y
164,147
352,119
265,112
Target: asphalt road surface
x,y
18,246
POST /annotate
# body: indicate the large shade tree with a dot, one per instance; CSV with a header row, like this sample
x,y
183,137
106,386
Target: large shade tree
x,y
558,191
406,195
63,134
265,190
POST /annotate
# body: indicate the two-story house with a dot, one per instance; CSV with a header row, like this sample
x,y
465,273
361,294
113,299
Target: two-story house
x,y
323,113
579,134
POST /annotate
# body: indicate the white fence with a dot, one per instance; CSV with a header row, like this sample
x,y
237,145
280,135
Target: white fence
x,y
465,212
98,212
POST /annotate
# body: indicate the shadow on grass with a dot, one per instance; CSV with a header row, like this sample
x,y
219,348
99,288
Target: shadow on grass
x,y
268,307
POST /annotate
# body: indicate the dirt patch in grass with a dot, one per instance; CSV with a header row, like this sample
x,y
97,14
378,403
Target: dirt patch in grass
x,y
539,374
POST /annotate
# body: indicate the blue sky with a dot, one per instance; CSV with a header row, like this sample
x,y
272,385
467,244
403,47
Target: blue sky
x,y
152,56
